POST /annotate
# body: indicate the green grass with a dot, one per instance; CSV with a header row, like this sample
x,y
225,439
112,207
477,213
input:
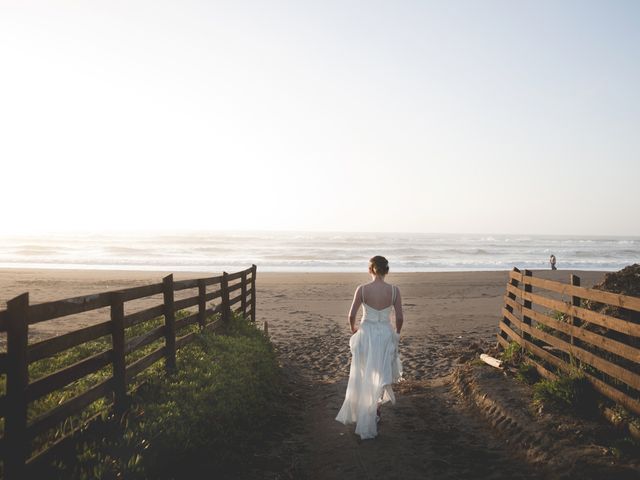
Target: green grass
x,y
625,447
513,354
569,392
222,402
68,357
527,373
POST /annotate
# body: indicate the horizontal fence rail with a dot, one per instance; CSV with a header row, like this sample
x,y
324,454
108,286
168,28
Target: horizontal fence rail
x,y
554,325
20,431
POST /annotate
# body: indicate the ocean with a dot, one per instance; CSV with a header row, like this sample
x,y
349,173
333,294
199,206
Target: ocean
x,y
315,252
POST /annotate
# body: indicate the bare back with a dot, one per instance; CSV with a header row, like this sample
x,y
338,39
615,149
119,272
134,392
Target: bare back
x,y
378,295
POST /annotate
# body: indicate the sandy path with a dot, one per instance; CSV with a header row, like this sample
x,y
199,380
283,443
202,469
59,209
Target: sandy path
x,y
430,432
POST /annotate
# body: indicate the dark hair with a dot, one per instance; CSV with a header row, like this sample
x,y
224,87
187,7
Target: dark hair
x,y
378,265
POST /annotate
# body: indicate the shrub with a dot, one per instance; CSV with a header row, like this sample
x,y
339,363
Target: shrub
x,y
209,415
527,373
568,392
513,354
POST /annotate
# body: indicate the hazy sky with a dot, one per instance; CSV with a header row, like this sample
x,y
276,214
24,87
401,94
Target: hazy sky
x,y
420,116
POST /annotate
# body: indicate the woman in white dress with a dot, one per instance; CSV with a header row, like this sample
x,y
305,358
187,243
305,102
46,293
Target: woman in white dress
x,y
375,363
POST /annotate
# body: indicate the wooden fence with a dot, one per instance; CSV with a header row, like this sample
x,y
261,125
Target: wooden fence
x,y
19,433
554,326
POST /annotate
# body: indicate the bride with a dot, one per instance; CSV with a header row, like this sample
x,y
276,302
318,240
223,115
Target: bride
x,y
375,363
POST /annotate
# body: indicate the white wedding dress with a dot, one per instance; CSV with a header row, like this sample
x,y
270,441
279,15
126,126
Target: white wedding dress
x,y
375,365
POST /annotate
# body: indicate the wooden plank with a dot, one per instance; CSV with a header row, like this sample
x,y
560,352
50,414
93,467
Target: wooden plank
x,y
235,287
170,324
517,307
610,298
184,284
185,303
3,362
502,341
51,346
186,321
604,389
212,280
64,376
135,293
144,339
15,432
226,306
254,271
143,316
575,301
235,276
235,300
608,344
527,304
202,303
630,378
119,361
213,295
513,284
541,353
614,394
510,332
60,308
244,293
608,391
182,341
53,417
145,362
3,320
542,371
590,316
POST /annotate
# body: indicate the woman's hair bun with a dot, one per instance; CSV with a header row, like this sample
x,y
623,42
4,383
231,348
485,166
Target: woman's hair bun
x,y
378,265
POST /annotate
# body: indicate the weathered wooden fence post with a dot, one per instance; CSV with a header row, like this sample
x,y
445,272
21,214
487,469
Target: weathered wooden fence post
x,y
244,293
254,270
575,301
528,288
15,434
505,320
169,324
202,304
224,290
119,362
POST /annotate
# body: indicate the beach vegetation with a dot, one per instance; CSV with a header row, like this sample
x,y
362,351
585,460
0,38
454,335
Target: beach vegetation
x,y
80,352
544,328
527,373
570,392
216,407
513,354
625,447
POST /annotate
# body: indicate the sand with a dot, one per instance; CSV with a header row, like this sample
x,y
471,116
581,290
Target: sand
x,y
430,433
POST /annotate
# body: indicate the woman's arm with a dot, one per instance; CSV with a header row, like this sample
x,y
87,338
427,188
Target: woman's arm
x,y
357,301
398,308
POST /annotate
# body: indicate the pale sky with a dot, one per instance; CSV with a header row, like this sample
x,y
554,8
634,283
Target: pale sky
x,y
412,116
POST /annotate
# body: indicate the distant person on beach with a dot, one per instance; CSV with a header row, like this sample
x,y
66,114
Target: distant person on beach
x,y
552,261
375,363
